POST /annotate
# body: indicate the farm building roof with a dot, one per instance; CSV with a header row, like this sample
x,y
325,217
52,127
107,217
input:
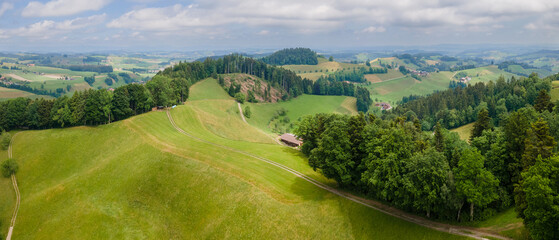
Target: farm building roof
x,y
290,139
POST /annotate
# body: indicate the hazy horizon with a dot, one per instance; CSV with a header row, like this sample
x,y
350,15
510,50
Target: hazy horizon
x,y
146,25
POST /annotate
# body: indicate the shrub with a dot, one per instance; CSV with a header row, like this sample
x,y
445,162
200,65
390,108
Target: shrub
x,y
9,167
5,139
240,97
247,112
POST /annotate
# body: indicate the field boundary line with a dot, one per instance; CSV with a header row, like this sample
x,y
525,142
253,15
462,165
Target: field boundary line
x,y
457,230
16,189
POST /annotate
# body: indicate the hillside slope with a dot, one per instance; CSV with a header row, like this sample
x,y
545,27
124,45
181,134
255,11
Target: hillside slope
x,y
140,178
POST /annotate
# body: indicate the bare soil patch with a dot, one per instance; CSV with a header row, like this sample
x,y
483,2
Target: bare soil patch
x,y
18,77
372,78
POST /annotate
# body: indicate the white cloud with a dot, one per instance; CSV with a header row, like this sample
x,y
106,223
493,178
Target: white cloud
x,y
264,32
548,21
5,7
313,16
56,8
47,28
373,29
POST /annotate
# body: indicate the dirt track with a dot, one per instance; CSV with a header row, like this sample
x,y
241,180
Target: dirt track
x,y
458,230
16,189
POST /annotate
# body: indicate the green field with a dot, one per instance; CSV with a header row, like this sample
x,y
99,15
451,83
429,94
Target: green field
x,y
140,178
505,223
464,131
313,72
555,91
8,93
50,78
394,90
303,105
486,74
7,198
521,70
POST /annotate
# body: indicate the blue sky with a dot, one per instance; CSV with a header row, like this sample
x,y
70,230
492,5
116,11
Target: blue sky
x,y
138,25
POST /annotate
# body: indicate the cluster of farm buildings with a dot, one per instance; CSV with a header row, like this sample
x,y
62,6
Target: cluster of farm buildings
x,y
465,79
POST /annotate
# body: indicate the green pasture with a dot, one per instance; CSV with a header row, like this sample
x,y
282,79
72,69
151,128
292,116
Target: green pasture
x,y
143,179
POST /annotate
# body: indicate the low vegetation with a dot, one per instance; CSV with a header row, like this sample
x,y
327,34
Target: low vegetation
x,y
9,167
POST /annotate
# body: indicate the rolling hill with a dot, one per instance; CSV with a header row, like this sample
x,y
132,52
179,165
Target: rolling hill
x,y
141,178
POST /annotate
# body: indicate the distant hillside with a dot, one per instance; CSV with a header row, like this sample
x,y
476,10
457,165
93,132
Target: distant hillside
x,y
292,56
250,85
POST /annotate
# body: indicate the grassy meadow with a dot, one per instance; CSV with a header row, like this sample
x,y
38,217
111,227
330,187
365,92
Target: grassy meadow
x,y
486,74
324,67
464,131
8,93
50,78
262,113
140,178
554,91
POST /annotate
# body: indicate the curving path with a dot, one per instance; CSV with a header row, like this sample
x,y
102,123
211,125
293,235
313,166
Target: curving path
x,y
458,230
16,189
260,130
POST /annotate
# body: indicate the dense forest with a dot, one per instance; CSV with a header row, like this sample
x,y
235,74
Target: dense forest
x,y
509,161
88,68
459,106
292,56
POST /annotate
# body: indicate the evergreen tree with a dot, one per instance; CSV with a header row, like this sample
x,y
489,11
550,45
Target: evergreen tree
x,y
538,143
439,138
483,123
543,102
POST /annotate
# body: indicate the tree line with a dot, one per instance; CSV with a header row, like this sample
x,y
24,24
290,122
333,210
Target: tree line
x,y
357,75
278,77
292,56
92,107
509,162
459,106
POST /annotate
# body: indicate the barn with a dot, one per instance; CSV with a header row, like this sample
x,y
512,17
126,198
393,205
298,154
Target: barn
x,y
291,140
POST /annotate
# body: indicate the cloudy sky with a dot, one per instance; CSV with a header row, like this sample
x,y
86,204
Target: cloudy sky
x,y
86,25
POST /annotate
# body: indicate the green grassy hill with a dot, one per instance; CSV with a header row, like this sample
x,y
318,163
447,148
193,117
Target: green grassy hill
x,y
51,78
486,74
267,115
141,178
392,90
313,72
